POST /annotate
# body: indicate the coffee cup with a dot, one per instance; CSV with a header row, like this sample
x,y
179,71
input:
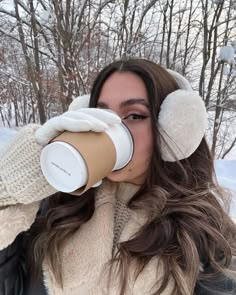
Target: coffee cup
x,y
74,162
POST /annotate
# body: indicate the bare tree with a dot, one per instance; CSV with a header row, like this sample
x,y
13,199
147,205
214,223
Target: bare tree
x,y
65,43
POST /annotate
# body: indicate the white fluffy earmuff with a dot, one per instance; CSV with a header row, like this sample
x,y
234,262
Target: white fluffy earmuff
x,y
182,120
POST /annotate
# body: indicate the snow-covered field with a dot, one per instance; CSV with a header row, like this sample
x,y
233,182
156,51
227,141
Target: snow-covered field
x,y
225,169
6,134
226,176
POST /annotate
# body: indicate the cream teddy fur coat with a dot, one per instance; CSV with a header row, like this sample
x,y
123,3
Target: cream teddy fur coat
x,y
85,255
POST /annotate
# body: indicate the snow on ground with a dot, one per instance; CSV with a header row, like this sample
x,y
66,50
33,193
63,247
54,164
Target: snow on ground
x,y
6,134
226,176
225,169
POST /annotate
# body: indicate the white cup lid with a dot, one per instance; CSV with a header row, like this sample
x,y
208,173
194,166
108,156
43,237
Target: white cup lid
x,y
123,142
63,166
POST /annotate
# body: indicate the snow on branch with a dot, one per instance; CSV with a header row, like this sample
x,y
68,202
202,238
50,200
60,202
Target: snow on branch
x,y
227,55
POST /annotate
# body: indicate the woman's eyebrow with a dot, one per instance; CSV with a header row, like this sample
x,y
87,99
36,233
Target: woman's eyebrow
x,y
126,103
132,101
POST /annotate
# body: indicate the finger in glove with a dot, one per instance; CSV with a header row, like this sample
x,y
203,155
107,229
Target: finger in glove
x,y
107,116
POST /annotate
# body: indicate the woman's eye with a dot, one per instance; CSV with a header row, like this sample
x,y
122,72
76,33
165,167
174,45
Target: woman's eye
x,y
135,117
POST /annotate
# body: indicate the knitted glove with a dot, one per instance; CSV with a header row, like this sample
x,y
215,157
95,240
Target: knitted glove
x,y
79,102
79,118
21,179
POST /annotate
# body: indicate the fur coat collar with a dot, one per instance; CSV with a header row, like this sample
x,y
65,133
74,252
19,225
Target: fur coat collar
x,y
86,254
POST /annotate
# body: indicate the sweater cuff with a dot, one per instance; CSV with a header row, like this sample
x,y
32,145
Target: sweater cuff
x,y
21,178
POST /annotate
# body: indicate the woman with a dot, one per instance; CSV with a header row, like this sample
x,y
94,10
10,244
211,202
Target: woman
x,y
155,227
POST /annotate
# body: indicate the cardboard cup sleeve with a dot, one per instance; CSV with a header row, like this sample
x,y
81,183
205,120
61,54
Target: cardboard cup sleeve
x,y
97,151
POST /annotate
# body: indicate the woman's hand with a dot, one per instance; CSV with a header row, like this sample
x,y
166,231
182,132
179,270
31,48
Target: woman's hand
x,y
76,120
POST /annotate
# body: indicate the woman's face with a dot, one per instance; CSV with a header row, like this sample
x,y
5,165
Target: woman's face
x,y
125,94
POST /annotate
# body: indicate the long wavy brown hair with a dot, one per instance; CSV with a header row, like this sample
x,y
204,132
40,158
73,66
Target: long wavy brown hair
x,y
188,227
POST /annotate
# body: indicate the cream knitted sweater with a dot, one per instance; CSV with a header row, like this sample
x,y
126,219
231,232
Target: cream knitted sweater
x,y
85,255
